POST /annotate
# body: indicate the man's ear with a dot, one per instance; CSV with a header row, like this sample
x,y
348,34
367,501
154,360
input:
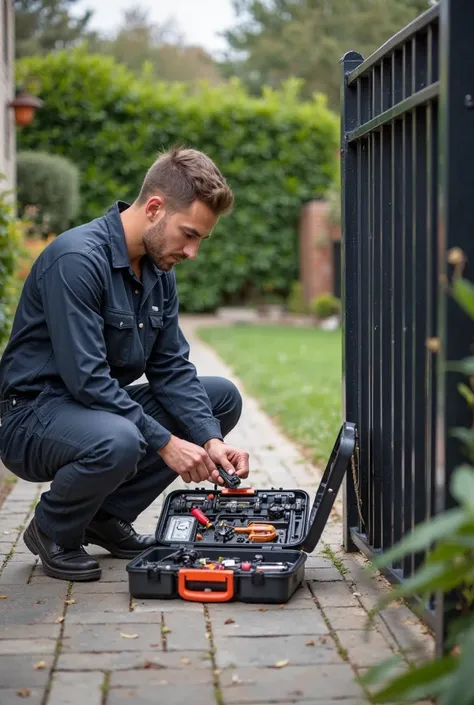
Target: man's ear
x,y
153,207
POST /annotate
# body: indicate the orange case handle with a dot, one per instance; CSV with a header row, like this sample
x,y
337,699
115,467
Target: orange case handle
x,y
208,576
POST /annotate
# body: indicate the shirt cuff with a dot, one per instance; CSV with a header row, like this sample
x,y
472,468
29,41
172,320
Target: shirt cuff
x,y
156,435
202,434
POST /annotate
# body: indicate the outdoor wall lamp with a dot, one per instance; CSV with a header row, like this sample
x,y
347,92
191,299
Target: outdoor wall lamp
x,y
24,105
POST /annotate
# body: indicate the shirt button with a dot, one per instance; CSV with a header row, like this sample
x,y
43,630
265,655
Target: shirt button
x,y
121,324
140,325
136,291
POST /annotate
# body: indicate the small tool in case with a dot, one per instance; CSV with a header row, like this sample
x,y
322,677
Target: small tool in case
x,y
237,543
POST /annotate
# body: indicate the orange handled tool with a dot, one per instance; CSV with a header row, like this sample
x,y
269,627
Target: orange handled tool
x,y
258,532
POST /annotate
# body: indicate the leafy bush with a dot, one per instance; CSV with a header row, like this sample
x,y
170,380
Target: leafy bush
x,y
10,239
275,152
48,190
296,303
325,306
449,566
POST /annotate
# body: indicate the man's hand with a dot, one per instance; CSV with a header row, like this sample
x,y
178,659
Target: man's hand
x,y
232,459
188,460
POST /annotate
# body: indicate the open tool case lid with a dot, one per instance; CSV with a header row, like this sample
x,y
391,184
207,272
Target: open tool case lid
x,y
317,518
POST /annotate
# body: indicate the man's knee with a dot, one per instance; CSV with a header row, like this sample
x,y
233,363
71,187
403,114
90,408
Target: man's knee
x,y
120,448
227,403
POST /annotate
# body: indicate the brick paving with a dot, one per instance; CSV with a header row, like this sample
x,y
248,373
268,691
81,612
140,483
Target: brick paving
x,y
61,643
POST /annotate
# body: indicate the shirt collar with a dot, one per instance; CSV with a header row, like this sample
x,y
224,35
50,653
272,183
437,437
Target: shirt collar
x,y
118,245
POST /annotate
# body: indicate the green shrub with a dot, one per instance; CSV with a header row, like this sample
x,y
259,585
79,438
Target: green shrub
x,y
48,190
10,240
295,302
275,152
325,306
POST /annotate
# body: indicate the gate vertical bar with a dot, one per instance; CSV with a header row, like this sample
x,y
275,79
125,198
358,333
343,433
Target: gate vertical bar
x,y
350,275
455,229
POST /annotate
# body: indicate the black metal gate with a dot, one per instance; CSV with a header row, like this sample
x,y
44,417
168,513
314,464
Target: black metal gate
x,y
408,197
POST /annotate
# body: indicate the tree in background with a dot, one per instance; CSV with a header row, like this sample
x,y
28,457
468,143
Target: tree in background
x,y
276,39
48,25
42,26
138,40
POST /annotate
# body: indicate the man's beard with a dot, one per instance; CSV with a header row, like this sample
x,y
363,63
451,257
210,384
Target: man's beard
x,y
154,241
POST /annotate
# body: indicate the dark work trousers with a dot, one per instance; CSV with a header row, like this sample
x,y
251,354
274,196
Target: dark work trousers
x,y
95,459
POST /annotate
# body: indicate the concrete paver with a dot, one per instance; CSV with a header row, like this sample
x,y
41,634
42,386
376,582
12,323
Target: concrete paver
x,y
90,642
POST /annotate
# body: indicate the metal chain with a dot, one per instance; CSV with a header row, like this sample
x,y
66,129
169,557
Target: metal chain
x,y
355,480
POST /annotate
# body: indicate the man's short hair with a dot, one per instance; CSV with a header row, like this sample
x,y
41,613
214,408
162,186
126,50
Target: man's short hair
x,y
182,175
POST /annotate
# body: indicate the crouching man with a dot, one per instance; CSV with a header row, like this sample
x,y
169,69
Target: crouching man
x,y
98,310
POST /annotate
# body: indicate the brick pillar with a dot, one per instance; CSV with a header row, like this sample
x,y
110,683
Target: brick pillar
x,y
316,250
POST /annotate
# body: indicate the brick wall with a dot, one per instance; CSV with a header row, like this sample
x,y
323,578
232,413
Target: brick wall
x,y
317,250
7,123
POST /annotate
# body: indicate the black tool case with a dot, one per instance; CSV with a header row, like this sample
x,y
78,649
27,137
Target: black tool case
x,y
224,561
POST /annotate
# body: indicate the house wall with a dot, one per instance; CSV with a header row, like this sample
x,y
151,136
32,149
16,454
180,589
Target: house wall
x,y
7,82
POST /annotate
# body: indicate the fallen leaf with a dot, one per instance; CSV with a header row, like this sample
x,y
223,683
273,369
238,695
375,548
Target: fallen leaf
x,y
229,621
59,620
235,679
282,664
186,661
24,692
310,643
128,636
281,607
263,609
152,664
132,606
69,602
165,630
39,666
3,597
39,602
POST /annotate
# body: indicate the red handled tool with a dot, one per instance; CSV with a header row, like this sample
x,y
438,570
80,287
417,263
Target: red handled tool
x,y
201,518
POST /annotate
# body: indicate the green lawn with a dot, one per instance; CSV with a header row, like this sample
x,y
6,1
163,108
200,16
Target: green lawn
x,y
295,374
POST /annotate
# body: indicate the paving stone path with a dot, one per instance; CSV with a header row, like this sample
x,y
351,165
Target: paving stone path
x,y
69,643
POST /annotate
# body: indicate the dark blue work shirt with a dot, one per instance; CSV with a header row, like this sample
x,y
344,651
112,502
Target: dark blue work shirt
x,y
86,322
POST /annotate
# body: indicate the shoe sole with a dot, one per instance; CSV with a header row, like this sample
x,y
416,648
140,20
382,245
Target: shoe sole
x,y
74,576
113,550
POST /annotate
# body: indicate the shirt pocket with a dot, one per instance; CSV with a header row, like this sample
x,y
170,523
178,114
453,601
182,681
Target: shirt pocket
x,y
118,334
156,324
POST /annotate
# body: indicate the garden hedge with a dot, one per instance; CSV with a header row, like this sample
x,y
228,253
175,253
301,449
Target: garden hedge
x,y
275,152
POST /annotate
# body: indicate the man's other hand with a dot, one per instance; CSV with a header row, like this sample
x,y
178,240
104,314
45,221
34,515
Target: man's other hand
x,y
188,460
233,460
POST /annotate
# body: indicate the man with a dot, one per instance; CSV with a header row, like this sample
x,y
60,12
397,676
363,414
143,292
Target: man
x,y
98,310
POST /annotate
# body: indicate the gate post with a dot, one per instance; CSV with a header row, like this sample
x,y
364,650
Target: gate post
x,y
349,278
456,229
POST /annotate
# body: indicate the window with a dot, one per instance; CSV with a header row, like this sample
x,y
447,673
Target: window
x,y
5,33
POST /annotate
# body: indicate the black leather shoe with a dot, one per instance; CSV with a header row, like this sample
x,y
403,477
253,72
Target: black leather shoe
x,y
118,537
59,562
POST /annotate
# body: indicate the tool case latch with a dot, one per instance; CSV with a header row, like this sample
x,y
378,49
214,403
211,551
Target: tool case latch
x,y
258,578
154,574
